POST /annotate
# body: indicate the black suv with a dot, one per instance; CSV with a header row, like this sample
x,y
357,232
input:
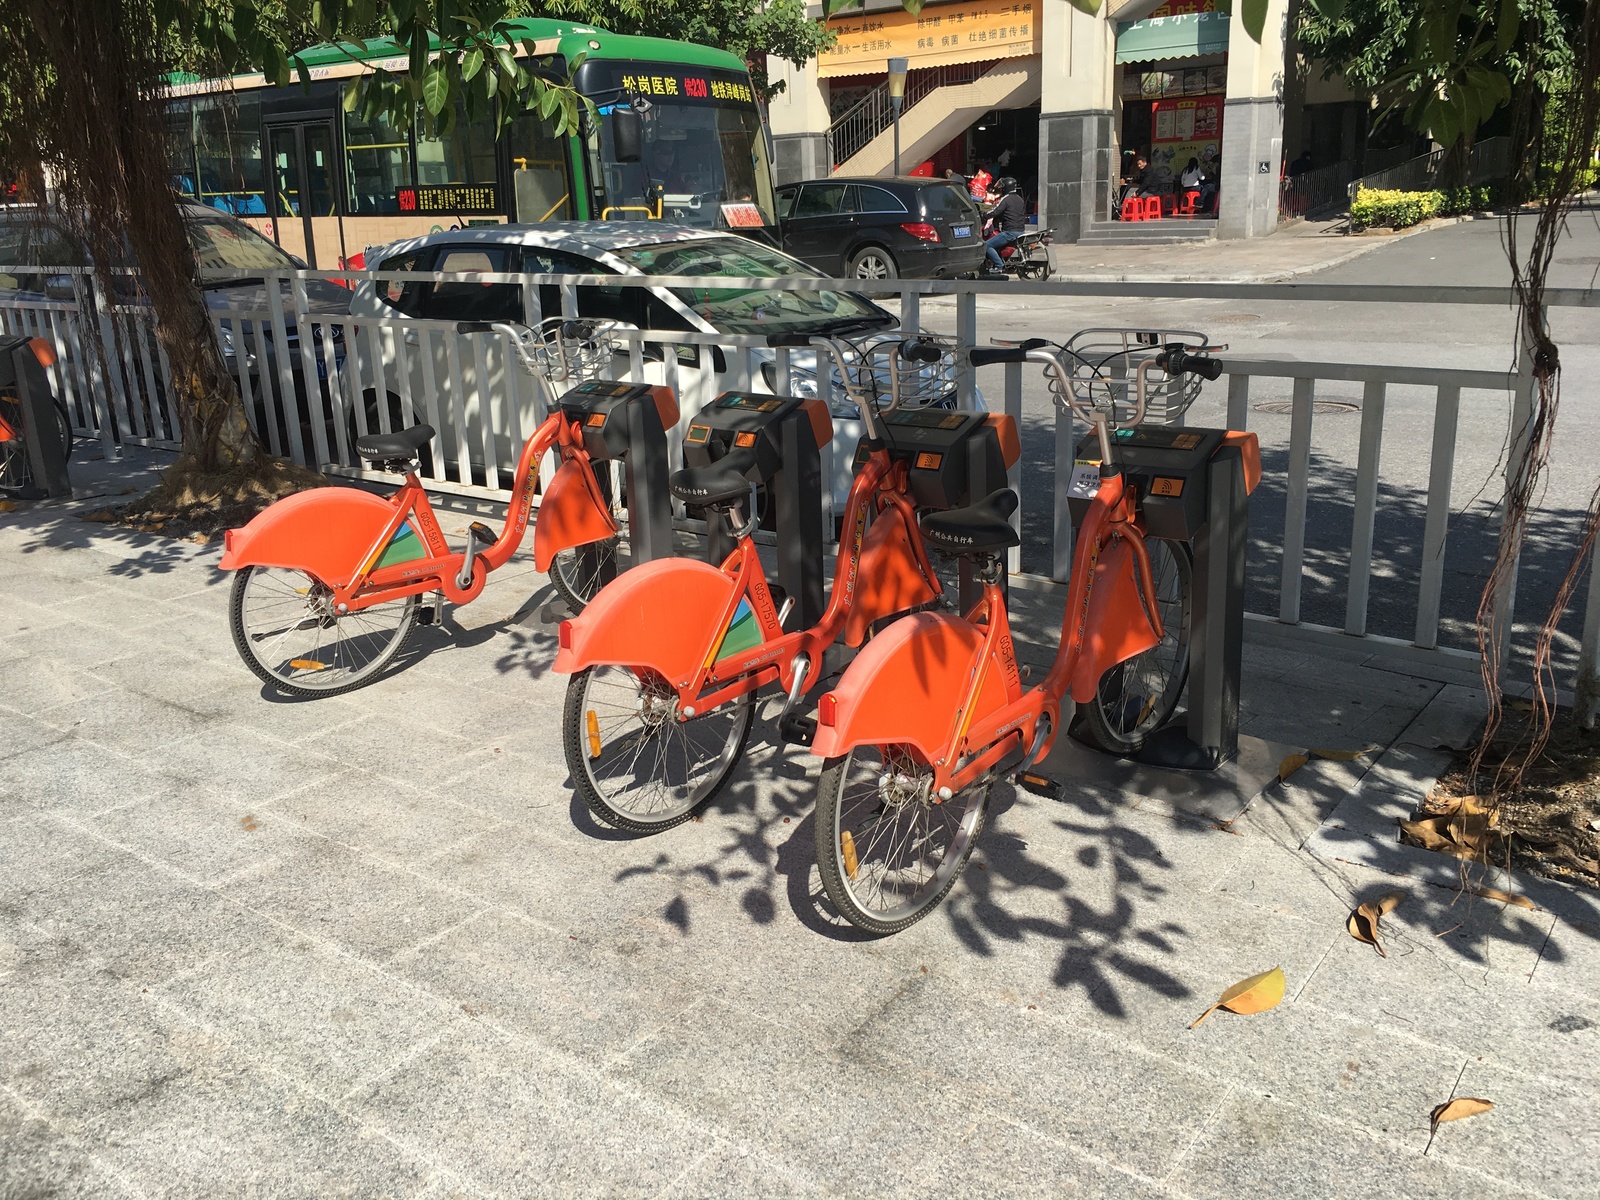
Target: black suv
x,y
874,228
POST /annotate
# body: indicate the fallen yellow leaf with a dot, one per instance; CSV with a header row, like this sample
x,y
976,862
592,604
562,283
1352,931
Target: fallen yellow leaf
x,y
1291,764
1461,1106
7,505
1363,923
1250,996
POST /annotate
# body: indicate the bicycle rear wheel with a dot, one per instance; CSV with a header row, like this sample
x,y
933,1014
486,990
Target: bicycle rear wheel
x,y
888,850
1137,697
635,763
286,630
577,573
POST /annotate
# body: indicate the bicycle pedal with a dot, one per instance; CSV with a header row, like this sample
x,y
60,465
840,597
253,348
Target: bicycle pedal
x,y
427,615
482,533
798,730
1039,785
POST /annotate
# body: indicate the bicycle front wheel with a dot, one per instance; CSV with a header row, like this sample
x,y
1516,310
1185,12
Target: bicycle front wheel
x,y
577,573
635,763
286,630
889,850
1137,697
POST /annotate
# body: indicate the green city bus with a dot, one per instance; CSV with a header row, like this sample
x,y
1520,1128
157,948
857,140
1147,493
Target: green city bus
x,y
325,184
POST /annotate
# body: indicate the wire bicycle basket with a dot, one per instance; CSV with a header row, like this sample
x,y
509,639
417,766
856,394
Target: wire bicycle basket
x,y
567,351
1103,371
874,374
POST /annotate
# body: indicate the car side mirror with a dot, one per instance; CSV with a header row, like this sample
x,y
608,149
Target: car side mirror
x,y
627,135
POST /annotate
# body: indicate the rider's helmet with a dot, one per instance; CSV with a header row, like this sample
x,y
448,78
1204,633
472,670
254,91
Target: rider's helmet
x,y
1004,186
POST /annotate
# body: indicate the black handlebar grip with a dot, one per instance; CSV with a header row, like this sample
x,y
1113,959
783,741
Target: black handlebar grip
x,y
983,356
921,351
788,341
1206,368
474,327
574,330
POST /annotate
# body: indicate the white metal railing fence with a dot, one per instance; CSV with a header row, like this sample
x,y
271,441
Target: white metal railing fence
x,y
313,381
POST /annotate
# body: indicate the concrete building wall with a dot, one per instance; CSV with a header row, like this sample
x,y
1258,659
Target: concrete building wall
x,y
1080,113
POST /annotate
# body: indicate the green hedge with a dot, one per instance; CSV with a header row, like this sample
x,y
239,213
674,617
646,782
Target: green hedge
x,y
1400,210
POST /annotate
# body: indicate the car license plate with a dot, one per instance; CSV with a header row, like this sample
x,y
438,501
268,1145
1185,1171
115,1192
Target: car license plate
x,y
961,231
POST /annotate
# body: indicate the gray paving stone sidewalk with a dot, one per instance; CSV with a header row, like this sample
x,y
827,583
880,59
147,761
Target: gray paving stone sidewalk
x,y
368,946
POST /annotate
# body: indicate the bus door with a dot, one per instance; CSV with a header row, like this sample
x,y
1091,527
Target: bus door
x,y
303,185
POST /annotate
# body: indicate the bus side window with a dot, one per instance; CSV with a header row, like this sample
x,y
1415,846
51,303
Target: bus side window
x,y
398,293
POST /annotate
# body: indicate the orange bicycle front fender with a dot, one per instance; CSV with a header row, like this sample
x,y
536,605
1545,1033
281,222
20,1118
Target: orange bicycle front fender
x,y
326,532
571,513
664,614
1117,626
905,686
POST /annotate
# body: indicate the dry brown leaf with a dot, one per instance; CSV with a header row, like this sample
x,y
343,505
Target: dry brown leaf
x,y
1461,1106
1250,996
1291,764
7,505
1363,923
1490,893
1427,833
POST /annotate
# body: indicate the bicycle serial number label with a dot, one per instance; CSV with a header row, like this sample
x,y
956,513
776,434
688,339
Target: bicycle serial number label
x,y
1085,481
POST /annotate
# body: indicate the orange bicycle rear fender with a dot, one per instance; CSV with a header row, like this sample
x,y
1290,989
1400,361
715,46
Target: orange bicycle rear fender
x,y
888,581
572,513
327,532
905,686
662,614
1117,627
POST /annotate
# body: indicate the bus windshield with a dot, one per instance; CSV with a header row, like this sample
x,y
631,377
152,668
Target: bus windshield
x,y
704,150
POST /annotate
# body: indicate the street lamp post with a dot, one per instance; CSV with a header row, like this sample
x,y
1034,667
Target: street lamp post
x,y
897,93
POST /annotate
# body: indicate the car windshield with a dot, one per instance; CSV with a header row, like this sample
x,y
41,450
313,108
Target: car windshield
x,y
221,245
750,310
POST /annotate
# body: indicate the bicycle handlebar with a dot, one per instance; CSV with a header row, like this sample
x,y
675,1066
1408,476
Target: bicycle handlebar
x,y
789,341
1175,360
921,350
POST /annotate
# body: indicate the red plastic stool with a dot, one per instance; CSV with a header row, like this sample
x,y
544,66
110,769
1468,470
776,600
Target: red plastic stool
x,y
1133,209
1152,208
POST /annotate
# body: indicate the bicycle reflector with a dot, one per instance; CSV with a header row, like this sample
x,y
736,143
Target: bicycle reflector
x,y
827,709
564,635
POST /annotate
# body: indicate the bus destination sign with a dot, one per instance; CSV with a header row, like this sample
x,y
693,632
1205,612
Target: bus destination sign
x,y
448,199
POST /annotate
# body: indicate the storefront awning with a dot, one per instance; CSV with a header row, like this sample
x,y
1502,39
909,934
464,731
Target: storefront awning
x,y
1186,36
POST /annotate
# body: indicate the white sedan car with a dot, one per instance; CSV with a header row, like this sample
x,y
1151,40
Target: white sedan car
x,y
592,248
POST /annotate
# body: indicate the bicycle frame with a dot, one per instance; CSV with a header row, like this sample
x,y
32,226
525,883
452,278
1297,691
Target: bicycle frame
x,y
899,577
899,689
370,551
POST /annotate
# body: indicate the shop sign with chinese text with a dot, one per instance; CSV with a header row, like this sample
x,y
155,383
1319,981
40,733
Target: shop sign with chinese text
x,y
939,35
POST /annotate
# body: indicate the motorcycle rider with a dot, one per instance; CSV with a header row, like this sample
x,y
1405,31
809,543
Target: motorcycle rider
x,y
1010,217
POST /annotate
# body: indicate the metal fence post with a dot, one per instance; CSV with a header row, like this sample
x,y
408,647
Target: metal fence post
x,y
1294,515
966,339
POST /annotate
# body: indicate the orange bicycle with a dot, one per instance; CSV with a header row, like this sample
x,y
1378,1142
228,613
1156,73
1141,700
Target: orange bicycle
x,y
329,579
666,661
933,711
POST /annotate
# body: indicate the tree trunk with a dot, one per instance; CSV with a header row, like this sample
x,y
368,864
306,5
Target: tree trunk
x,y
109,131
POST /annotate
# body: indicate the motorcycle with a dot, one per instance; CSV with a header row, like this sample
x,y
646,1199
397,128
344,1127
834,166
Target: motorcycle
x,y
1027,257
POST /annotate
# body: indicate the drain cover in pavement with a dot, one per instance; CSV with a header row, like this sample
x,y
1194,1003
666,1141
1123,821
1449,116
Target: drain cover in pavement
x,y
1317,406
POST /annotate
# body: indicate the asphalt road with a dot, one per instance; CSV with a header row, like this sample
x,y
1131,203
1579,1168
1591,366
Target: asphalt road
x,y
1440,335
